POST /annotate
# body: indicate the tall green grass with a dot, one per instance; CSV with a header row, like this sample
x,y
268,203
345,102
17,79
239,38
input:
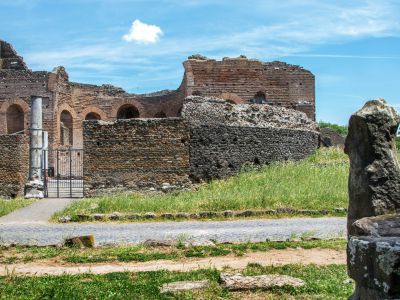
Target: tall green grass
x,y
318,182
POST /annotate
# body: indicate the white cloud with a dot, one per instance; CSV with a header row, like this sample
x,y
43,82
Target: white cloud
x,y
143,33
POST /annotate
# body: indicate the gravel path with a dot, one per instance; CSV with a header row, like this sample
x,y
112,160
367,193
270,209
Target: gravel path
x,y
38,212
134,233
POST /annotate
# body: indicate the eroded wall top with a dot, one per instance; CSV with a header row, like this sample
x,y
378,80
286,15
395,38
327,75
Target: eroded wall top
x,y
214,111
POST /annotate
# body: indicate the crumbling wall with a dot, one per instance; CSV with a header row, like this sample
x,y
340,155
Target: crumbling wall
x,y
224,137
282,84
14,162
134,154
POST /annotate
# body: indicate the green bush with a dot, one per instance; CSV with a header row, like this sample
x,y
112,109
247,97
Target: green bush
x,y
342,129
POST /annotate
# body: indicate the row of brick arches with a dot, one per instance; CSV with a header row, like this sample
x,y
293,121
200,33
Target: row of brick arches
x,y
126,111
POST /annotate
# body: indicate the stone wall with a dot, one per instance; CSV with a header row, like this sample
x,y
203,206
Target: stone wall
x,y
14,161
220,151
224,137
134,154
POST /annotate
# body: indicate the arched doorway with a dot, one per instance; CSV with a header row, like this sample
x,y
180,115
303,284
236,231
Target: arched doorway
x,y
15,119
66,128
160,115
92,117
127,111
259,98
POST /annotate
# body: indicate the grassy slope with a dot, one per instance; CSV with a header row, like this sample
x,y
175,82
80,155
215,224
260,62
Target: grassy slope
x,y
321,283
7,206
318,182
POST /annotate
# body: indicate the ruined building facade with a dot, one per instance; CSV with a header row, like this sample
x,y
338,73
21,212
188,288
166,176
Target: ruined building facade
x,y
68,104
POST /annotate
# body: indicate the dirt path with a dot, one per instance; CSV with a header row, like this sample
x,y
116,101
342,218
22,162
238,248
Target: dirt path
x,y
273,257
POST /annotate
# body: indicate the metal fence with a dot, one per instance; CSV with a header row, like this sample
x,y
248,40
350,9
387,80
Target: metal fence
x,y
63,173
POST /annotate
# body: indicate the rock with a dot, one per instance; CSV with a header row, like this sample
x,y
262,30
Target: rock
x,y
380,226
149,215
239,282
309,211
167,216
374,181
65,219
182,215
181,286
83,217
246,213
228,213
207,214
98,217
34,190
134,216
373,248
374,264
286,210
116,216
340,209
194,216
86,241
201,243
159,243
330,138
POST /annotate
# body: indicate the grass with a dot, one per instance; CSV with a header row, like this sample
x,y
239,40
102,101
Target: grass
x,y
321,283
141,253
8,206
318,182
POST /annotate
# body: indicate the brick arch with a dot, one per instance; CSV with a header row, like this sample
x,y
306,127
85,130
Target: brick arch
x,y
3,114
93,109
232,98
118,104
76,121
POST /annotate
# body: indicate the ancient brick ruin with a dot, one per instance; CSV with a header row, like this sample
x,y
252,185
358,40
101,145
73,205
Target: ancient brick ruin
x,y
68,104
148,153
276,89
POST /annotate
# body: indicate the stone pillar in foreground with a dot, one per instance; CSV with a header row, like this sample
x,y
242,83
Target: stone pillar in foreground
x,y
34,188
373,250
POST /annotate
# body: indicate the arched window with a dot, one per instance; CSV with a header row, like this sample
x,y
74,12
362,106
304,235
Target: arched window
x,y
66,128
92,116
15,119
127,111
160,115
259,98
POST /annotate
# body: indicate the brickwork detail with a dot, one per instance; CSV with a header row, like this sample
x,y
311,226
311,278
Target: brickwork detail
x,y
133,154
14,162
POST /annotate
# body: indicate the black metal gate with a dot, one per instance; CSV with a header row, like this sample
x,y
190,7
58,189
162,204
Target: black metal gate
x,y
63,173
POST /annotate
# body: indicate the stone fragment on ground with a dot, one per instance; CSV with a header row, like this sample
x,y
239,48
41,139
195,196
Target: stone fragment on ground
x,y
238,282
86,241
159,243
182,286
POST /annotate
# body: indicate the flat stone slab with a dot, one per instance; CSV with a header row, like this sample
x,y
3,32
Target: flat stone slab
x,y
238,282
182,286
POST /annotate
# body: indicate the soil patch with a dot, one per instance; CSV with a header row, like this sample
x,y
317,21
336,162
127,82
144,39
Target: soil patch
x,y
273,257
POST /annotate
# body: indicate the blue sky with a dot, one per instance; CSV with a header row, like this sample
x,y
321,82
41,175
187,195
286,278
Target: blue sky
x,y
353,47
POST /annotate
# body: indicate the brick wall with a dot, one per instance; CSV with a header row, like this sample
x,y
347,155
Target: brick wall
x,y
14,162
220,151
283,84
136,153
